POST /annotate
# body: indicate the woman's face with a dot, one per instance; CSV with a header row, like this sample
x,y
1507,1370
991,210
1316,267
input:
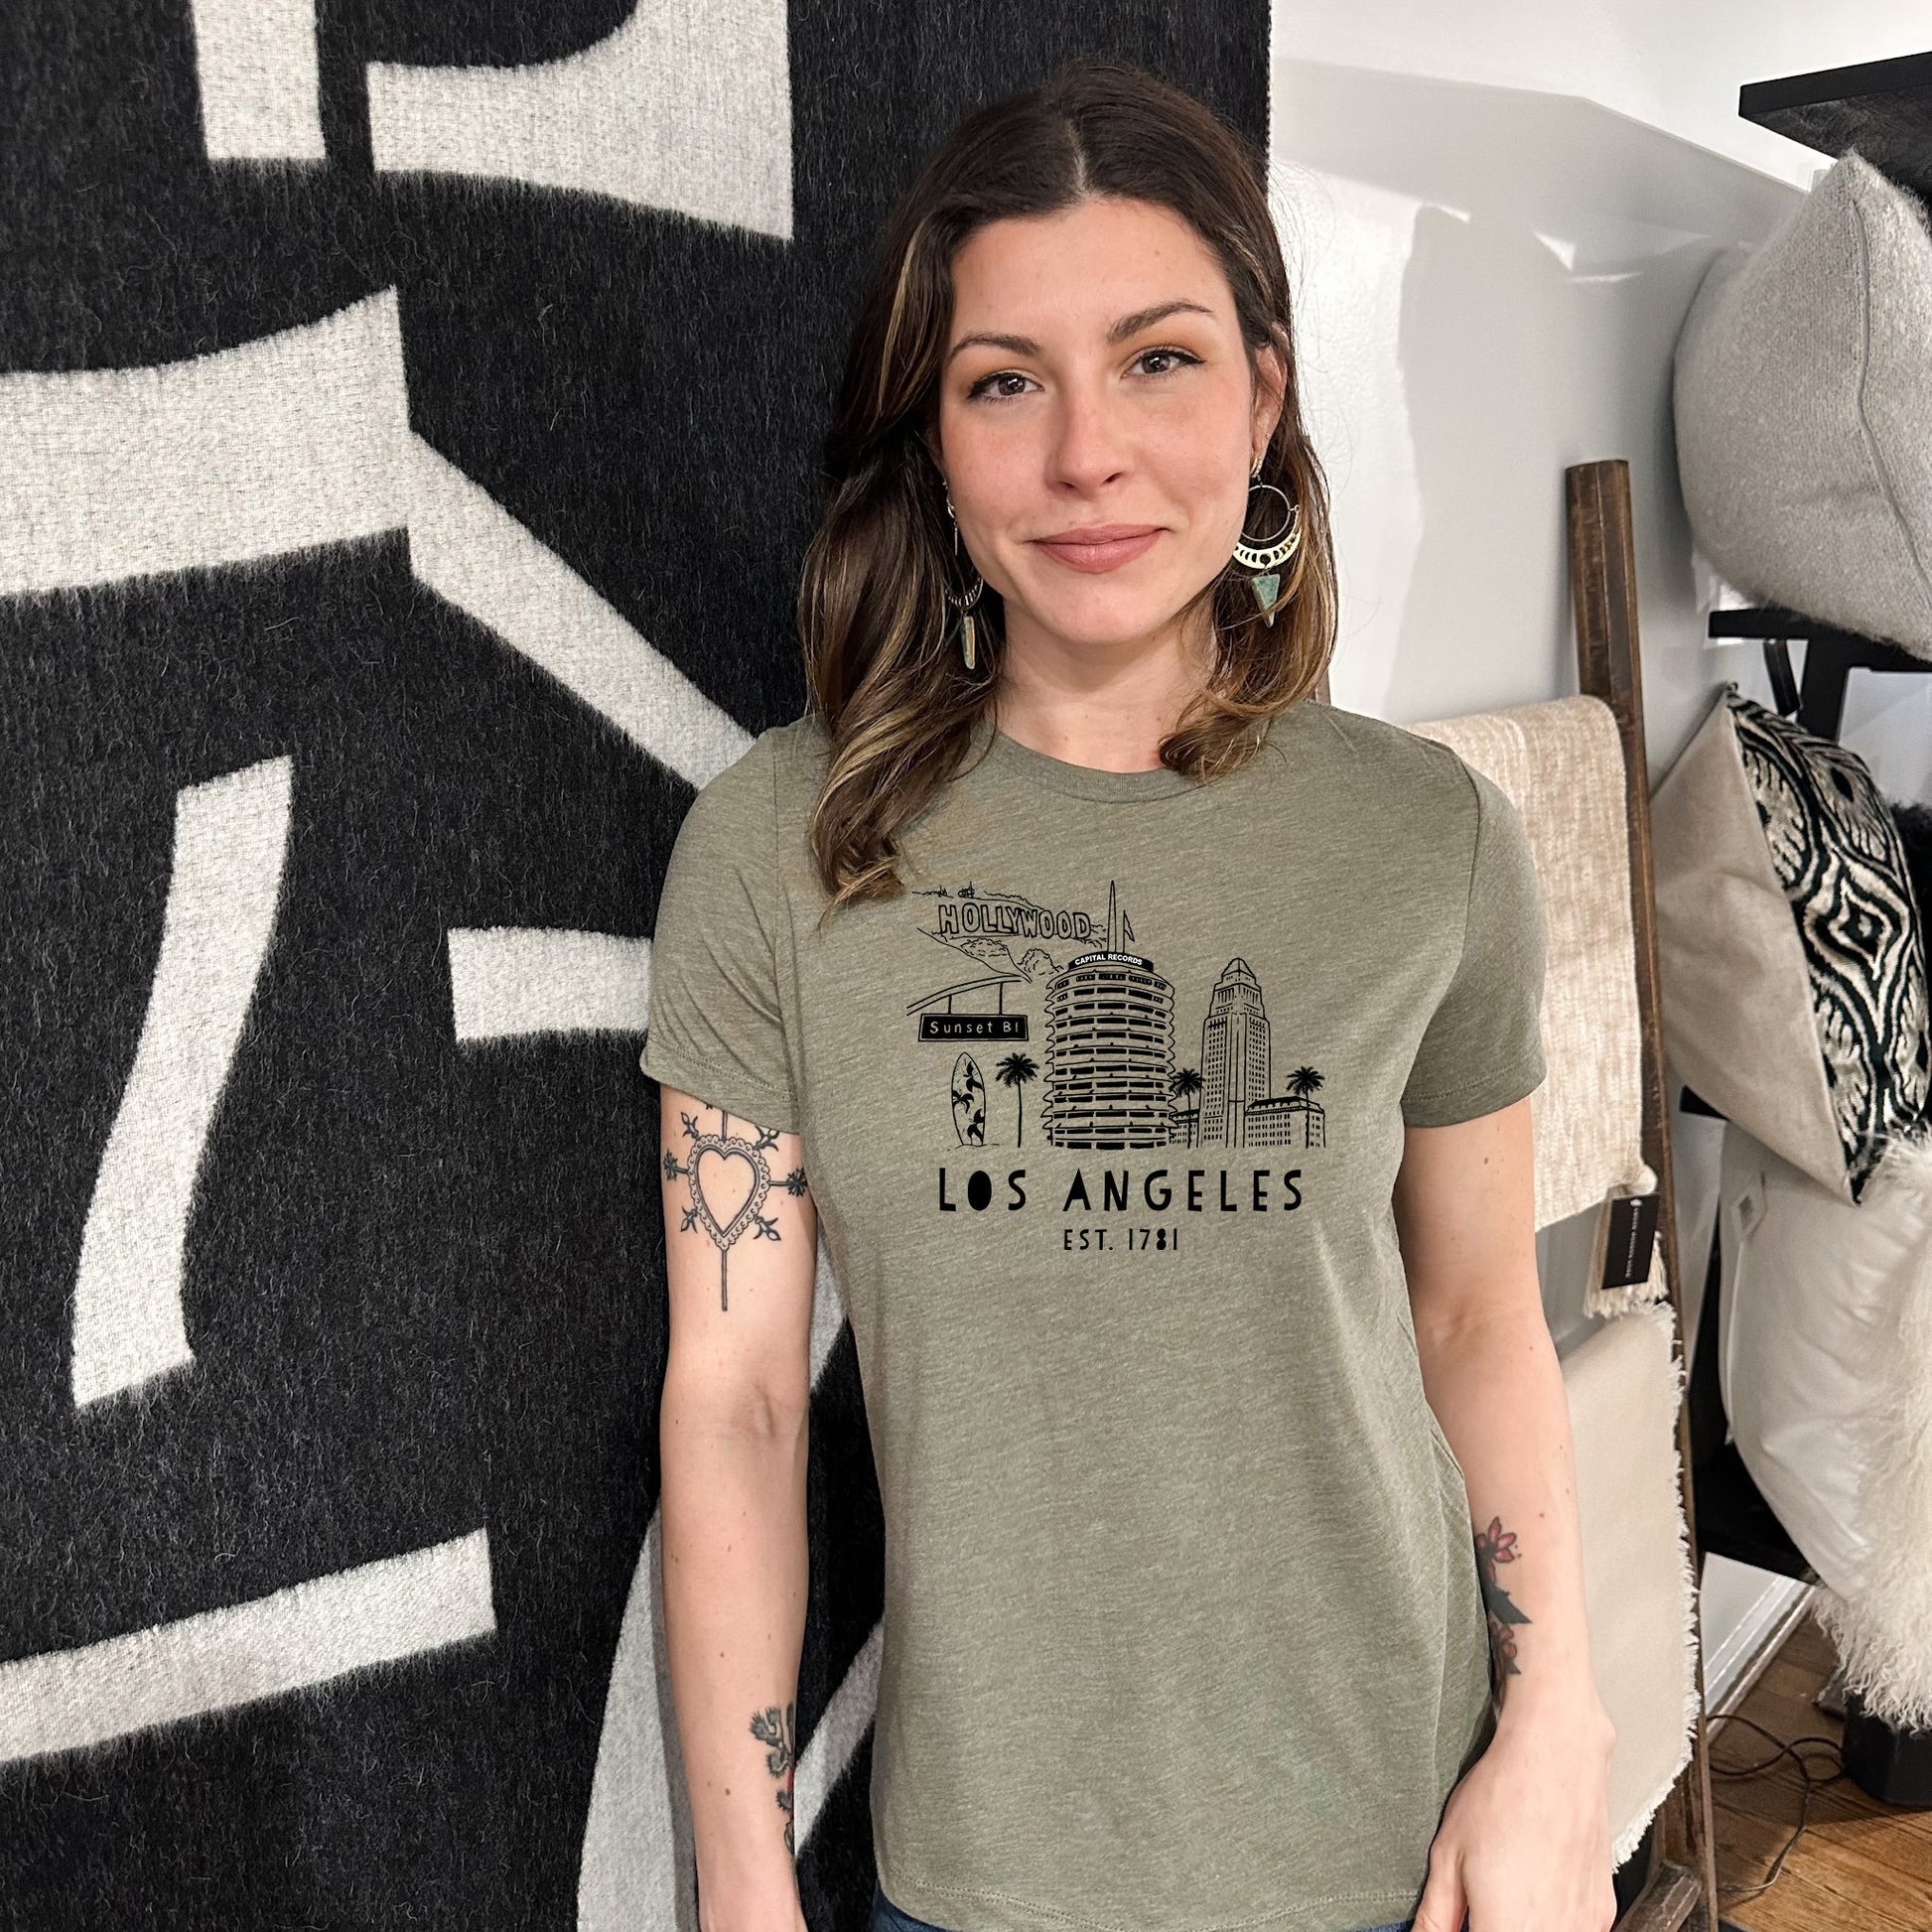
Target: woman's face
x,y
1098,418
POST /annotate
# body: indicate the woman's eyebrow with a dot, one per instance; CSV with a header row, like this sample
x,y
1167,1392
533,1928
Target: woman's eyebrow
x,y
1147,318
1126,326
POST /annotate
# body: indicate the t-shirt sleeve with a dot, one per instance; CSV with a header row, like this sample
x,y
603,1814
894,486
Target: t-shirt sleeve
x,y
716,1025
1483,1047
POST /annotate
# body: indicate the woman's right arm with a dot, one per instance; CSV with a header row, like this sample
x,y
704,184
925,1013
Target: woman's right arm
x,y
732,1431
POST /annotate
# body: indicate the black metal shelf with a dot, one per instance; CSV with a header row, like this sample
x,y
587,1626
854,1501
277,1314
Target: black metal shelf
x,y
1883,108
1831,655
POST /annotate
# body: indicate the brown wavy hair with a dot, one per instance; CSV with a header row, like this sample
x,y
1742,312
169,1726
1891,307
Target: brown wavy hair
x,y
881,665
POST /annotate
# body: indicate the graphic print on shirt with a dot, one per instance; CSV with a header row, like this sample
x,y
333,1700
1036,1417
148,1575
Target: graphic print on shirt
x,y
1110,1027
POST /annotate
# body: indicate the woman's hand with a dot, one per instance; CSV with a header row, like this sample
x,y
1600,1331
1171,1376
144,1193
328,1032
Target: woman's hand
x,y
1524,1843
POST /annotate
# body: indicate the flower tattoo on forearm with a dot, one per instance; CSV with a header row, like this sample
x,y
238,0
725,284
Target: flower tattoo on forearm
x,y
1494,1546
728,1146
770,1729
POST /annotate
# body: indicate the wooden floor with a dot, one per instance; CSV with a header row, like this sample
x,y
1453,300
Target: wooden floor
x,y
1860,1867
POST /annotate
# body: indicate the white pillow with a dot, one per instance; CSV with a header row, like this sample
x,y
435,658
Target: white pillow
x,y
1803,393
1824,1353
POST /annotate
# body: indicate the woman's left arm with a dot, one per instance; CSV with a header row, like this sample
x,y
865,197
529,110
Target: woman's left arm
x,y
1523,1844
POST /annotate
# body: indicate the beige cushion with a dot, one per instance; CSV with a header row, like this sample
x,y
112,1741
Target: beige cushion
x,y
1803,389
1639,1581
1561,765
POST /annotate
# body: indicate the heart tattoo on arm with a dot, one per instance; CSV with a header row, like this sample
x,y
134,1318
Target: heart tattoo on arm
x,y
727,1146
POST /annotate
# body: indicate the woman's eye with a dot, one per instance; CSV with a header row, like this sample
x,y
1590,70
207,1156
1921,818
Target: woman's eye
x,y
984,386
993,385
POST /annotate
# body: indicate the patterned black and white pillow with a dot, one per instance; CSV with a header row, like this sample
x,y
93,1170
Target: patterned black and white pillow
x,y
1838,855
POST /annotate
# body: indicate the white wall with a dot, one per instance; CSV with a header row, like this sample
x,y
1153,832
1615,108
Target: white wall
x,y
1660,62
1497,216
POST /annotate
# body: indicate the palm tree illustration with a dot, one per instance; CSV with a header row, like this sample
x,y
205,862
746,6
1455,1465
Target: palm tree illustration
x,y
1015,1071
1303,1084
1184,1084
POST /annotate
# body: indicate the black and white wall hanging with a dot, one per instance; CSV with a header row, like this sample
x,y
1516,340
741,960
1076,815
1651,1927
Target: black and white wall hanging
x,y
408,436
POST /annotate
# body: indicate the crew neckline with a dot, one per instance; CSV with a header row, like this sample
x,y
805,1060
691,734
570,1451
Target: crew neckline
x,y
1079,780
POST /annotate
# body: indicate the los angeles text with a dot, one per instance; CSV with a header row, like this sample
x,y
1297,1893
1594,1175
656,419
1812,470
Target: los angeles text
x,y
1191,1190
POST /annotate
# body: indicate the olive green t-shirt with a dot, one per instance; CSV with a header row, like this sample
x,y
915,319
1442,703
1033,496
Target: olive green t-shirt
x,y
1183,1622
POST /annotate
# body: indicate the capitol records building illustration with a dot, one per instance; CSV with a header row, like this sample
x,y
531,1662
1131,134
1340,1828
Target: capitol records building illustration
x,y
1109,1051
1110,1059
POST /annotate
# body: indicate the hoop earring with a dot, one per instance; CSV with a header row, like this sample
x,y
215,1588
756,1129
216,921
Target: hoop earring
x,y
964,603
1264,557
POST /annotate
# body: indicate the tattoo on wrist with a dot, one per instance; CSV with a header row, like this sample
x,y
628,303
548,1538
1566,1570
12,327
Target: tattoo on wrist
x,y
1494,1546
728,1146
770,1729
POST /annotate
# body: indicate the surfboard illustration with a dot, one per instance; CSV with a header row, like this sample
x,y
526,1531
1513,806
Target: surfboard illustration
x,y
968,1102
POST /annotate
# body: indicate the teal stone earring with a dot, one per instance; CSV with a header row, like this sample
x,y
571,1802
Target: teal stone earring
x,y
1265,556
963,604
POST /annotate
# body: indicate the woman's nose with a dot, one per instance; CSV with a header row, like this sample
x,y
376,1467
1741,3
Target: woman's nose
x,y
1087,449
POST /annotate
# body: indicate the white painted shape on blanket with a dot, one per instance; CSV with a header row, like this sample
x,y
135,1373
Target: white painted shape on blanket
x,y
828,1309
685,105
506,982
231,840
303,439
639,1867
308,1633
260,81
836,1737
469,549
243,453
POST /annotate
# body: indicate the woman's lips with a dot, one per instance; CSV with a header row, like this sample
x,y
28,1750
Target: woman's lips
x,y
1107,555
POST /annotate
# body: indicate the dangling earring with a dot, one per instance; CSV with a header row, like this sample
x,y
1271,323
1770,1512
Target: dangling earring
x,y
963,604
1265,556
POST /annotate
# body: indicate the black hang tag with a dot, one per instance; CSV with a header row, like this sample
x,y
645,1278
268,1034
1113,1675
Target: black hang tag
x,y
1632,1235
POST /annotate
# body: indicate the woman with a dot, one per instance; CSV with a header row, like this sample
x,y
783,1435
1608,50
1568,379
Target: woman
x,y
1207,1382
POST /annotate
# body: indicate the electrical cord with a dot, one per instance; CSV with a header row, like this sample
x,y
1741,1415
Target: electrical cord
x,y
1811,1782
